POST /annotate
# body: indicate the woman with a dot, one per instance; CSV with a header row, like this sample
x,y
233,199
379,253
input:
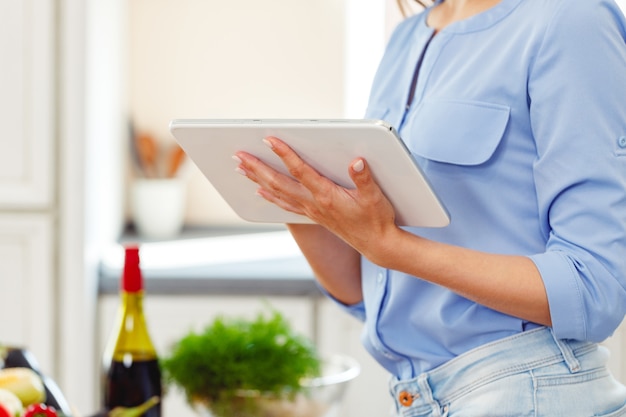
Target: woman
x,y
516,111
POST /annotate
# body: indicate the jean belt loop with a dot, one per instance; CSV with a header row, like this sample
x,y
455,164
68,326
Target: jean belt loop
x,y
428,397
568,354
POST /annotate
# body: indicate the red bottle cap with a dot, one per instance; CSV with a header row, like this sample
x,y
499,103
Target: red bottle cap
x,y
132,280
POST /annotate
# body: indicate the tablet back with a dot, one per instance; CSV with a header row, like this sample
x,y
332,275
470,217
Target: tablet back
x,y
327,145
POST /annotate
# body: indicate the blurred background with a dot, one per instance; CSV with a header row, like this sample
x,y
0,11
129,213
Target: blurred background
x,y
282,59
84,85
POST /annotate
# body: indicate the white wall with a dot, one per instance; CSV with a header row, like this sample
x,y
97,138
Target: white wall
x,y
217,59
278,58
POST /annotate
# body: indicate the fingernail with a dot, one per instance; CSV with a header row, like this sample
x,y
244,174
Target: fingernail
x,y
237,159
241,171
358,166
267,142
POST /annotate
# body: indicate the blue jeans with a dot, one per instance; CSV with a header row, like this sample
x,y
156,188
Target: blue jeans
x,y
529,374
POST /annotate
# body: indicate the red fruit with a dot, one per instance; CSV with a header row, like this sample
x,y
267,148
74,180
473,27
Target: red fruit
x,y
4,412
39,410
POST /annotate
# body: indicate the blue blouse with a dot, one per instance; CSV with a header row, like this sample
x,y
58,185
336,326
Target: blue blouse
x,y
519,121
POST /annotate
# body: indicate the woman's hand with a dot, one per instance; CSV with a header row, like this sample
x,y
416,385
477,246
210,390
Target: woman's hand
x,y
359,216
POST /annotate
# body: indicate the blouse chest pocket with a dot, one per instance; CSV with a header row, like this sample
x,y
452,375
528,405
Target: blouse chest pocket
x,y
456,132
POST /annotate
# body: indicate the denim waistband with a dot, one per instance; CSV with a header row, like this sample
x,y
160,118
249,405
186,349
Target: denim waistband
x,y
511,355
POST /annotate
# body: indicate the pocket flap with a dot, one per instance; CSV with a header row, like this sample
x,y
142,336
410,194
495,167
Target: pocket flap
x,y
457,132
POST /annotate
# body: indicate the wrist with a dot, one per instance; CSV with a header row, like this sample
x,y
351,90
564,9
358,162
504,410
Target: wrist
x,y
383,249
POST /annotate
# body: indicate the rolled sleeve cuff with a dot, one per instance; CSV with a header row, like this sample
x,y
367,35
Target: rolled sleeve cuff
x,y
565,300
356,310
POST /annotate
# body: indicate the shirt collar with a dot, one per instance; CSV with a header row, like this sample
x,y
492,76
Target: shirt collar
x,y
482,20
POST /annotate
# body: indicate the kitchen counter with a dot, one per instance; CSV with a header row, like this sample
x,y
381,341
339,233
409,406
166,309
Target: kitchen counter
x,y
228,261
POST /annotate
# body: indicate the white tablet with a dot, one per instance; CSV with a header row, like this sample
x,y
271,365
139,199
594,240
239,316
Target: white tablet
x,y
329,146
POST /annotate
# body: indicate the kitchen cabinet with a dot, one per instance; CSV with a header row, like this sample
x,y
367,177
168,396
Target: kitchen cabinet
x,y
27,160
26,104
26,291
52,153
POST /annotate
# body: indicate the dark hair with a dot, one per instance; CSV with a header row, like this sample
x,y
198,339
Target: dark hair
x,y
406,6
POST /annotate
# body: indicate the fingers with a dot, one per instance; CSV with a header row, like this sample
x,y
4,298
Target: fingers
x,y
298,169
302,172
305,191
311,179
266,177
275,187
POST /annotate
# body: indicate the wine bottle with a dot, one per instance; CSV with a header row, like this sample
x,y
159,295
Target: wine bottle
x,y
132,373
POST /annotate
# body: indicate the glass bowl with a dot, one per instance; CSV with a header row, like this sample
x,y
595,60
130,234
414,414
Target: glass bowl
x,y
321,397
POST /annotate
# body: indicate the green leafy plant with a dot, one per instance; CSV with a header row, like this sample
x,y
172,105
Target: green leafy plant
x,y
235,358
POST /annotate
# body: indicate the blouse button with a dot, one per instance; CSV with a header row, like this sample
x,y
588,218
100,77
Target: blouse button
x,y
622,142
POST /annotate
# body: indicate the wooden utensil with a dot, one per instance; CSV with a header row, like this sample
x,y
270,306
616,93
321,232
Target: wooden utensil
x,y
175,159
148,151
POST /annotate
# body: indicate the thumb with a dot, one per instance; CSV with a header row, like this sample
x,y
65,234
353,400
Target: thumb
x,y
362,176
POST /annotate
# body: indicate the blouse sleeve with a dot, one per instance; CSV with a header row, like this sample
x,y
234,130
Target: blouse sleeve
x,y
577,96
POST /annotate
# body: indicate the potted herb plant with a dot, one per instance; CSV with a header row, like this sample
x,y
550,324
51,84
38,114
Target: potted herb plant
x,y
255,368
